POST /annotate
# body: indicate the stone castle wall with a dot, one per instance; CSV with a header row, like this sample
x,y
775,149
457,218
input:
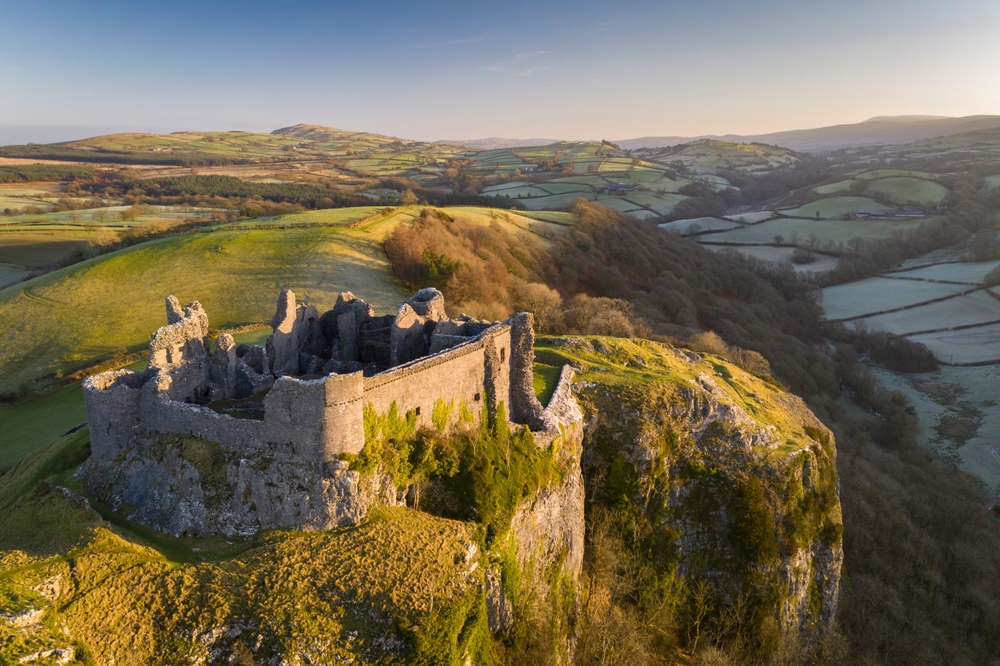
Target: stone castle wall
x,y
312,418
457,375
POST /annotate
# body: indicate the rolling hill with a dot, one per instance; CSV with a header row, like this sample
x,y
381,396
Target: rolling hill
x,y
881,130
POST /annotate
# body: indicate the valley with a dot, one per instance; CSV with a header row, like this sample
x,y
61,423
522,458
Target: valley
x,y
716,277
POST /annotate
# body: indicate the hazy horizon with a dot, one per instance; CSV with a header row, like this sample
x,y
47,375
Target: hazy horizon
x,y
453,71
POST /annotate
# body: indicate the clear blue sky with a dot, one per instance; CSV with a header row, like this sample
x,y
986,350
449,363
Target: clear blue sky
x,y
434,70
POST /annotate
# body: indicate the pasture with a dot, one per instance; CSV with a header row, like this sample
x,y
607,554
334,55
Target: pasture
x,y
834,188
661,204
34,249
698,224
19,203
901,190
836,231
331,216
819,264
11,274
879,294
834,207
977,308
709,155
992,181
68,318
32,423
972,272
875,174
751,218
555,217
972,345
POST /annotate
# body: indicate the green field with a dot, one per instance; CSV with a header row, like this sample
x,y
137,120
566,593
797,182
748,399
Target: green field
x,y
973,345
556,217
751,218
32,423
523,191
11,274
19,202
875,174
618,203
72,316
556,200
593,181
77,218
342,216
976,308
39,249
561,188
704,224
971,272
879,294
903,191
712,155
834,207
838,231
834,188
662,204
819,264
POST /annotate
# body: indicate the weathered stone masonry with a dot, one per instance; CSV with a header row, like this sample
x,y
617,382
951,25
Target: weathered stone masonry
x,y
319,372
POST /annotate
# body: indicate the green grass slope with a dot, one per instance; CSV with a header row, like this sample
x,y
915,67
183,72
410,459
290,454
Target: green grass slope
x,y
400,588
38,420
73,316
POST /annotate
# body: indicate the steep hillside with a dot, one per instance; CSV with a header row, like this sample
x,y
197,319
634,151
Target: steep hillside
x,y
718,478
724,478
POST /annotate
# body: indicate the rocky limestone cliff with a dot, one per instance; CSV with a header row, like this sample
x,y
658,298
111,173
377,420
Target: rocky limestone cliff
x,y
187,486
730,470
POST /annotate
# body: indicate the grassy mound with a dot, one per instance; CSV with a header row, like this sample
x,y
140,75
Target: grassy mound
x,y
65,319
401,588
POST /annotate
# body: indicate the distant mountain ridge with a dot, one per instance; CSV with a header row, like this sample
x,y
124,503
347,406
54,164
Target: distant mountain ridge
x,y
493,142
880,130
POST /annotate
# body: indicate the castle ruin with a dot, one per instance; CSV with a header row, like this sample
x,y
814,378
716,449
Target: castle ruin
x,y
303,395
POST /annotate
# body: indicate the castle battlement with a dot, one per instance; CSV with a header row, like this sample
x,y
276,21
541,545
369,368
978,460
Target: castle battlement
x,y
304,393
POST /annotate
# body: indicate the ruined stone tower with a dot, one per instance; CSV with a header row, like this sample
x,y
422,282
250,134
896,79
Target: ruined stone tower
x,y
303,395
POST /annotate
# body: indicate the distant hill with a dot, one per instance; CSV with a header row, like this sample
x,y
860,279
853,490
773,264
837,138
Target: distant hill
x,y
881,130
494,142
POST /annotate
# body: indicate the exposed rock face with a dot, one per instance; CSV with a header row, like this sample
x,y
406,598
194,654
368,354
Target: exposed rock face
x,y
547,530
738,475
187,486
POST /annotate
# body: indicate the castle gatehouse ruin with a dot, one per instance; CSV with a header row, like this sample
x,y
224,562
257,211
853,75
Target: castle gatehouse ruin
x,y
302,396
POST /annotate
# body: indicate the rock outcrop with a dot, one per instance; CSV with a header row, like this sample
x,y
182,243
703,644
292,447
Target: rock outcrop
x,y
187,486
736,474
